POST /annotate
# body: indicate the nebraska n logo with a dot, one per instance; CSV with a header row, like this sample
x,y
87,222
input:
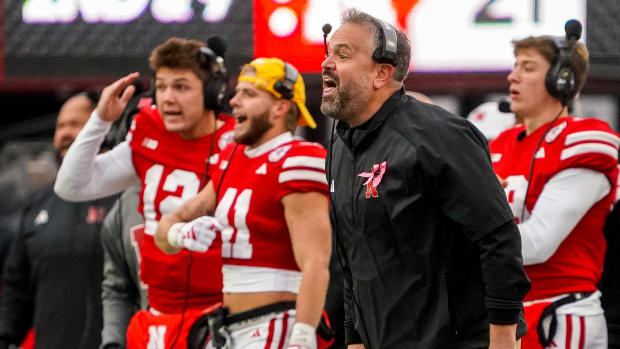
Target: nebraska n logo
x,y
374,179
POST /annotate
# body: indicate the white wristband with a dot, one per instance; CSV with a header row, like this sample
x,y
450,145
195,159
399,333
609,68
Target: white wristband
x,y
303,336
175,237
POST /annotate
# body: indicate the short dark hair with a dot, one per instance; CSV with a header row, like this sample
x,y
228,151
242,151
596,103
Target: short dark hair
x,y
403,51
177,53
547,48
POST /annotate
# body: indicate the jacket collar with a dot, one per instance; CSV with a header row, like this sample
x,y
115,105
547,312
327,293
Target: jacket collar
x,y
353,137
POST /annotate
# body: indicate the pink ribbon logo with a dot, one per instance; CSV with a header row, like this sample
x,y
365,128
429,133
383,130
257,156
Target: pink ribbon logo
x,y
374,179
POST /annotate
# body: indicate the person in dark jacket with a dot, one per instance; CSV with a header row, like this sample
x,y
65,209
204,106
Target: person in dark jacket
x,y
122,292
52,276
429,246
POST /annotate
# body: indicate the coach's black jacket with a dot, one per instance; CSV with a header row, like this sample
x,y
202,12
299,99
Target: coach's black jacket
x,y
52,276
431,251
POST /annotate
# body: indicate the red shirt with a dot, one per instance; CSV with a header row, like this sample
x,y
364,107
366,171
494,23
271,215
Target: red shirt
x,y
172,170
250,186
571,143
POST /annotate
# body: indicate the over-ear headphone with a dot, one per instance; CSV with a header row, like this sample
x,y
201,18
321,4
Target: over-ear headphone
x,y
214,89
560,78
211,58
285,86
386,52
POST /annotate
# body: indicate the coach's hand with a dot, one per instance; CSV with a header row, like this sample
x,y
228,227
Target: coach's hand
x,y
196,235
114,97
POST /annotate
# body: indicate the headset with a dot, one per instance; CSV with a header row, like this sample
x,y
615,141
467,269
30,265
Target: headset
x,y
386,52
560,78
212,58
560,83
285,86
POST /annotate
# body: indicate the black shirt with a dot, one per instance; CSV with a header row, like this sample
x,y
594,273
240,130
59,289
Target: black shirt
x,y
431,250
52,276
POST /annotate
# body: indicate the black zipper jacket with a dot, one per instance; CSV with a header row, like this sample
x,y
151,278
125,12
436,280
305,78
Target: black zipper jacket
x,y
52,276
430,248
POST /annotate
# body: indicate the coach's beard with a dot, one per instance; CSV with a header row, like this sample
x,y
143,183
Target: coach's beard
x,y
346,104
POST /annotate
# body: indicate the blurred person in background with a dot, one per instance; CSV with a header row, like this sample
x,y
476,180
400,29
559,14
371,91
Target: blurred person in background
x,y
169,151
431,258
52,276
490,120
123,294
559,173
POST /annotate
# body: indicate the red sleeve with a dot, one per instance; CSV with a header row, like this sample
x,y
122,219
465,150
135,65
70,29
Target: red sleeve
x,y
303,170
590,144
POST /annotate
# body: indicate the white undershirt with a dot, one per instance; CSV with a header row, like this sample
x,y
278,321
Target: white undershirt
x,y
86,175
564,200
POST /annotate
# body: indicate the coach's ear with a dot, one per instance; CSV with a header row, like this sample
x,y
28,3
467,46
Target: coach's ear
x,y
384,75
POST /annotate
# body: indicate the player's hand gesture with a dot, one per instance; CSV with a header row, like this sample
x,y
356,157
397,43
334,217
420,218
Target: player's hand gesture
x,y
114,97
197,235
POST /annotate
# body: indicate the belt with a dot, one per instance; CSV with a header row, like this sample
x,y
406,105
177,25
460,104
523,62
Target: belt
x,y
257,312
220,318
550,311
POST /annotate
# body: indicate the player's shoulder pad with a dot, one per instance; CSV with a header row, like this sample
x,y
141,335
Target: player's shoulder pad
x,y
586,142
303,147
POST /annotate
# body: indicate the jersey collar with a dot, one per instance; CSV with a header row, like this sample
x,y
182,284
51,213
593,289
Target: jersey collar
x,y
284,138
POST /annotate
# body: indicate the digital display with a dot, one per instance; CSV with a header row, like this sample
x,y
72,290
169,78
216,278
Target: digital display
x,y
85,38
90,38
446,35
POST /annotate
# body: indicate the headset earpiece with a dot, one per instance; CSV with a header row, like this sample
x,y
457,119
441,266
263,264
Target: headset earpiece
x,y
386,52
560,78
214,89
285,87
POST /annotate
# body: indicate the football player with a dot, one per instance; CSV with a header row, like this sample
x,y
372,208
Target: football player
x,y
269,203
168,151
559,174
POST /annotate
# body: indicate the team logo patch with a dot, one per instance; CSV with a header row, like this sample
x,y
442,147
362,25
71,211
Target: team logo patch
x,y
374,179
278,153
42,218
553,133
150,143
262,169
225,139
213,159
95,214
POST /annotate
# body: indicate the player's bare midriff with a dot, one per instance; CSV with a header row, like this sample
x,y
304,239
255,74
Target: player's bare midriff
x,y
238,302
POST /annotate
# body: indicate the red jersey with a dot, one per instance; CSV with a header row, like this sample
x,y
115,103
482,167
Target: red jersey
x,y
571,143
172,170
256,245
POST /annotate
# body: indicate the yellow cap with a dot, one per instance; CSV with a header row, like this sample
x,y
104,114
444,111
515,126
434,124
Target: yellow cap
x,y
271,74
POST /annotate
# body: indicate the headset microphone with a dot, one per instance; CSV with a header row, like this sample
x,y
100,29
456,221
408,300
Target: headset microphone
x,y
560,79
573,30
327,28
504,106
